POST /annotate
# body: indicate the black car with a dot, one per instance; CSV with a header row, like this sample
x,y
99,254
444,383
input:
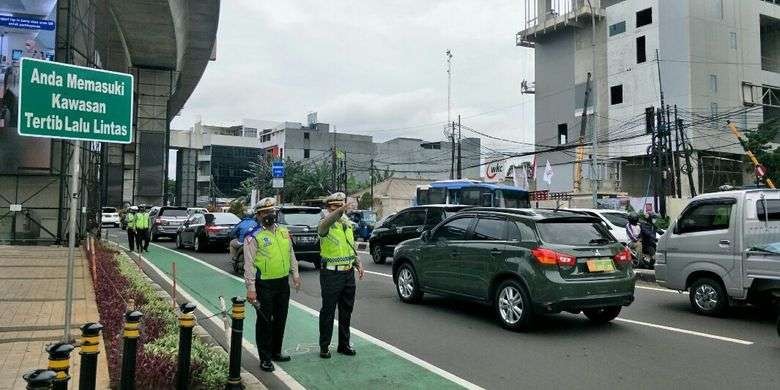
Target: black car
x,y
405,225
166,221
203,231
302,223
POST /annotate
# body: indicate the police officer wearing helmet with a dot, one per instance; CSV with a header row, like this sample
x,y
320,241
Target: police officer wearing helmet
x,y
268,262
142,224
130,222
337,276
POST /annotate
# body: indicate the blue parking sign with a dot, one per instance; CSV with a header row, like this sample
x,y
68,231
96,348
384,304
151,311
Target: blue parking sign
x,y
277,169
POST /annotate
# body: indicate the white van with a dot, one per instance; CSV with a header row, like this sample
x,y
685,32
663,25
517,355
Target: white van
x,y
724,249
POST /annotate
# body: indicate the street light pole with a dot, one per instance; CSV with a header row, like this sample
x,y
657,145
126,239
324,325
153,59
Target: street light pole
x,y
594,181
74,202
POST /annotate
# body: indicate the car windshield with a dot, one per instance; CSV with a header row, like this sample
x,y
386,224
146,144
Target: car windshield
x,y
225,219
173,212
300,217
617,219
369,216
567,232
109,209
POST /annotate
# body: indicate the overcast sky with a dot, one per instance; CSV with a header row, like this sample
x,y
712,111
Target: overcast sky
x,y
368,66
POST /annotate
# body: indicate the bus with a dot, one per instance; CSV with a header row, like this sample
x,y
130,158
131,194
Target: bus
x,y
473,193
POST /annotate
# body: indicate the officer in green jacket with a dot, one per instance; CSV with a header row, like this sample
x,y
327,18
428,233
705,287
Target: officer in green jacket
x,y
337,276
130,222
269,261
142,229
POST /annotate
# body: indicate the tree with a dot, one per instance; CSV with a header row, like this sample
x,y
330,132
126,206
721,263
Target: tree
x,y
365,201
760,143
238,208
303,180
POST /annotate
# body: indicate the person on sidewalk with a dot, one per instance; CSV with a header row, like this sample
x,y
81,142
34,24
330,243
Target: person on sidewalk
x,y
130,222
142,229
268,262
337,275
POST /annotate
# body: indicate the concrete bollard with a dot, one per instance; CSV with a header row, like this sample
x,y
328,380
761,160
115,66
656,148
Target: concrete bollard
x,y
236,339
59,362
131,333
186,323
39,379
90,348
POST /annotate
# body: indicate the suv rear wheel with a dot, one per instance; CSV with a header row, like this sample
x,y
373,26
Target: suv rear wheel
x,y
377,255
199,245
708,296
602,315
406,284
513,306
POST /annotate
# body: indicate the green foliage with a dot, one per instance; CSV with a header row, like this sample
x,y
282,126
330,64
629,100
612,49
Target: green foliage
x,y
758,142
365,201
238,208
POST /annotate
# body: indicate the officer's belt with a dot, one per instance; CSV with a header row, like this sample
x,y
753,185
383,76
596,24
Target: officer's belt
x,y
347,267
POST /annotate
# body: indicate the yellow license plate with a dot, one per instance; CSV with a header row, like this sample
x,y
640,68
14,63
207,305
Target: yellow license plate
x,y
600,265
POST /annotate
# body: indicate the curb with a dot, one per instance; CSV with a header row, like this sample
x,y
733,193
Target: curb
x,y
645,275
249,381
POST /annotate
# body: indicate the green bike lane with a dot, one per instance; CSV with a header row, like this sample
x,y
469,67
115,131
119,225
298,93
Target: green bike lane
x,y
377,365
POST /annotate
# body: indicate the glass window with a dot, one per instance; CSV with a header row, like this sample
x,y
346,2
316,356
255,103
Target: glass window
x,y
489,229
563,134
774,209
402,219
644,17
435,215
573,232
225,219
300,217
416,218
733,40
617,219
713,83
454,230
470,196
641,49
522,232
109,209
617,28
616,94
705,217
173,212
713,110
305,135
515,199
306,153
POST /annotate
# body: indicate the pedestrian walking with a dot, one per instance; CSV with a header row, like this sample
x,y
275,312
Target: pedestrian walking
x,y
268,262
337,276
142,229
130,223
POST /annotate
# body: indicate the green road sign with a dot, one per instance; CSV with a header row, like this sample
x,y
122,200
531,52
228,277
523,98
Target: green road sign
x,y
66,101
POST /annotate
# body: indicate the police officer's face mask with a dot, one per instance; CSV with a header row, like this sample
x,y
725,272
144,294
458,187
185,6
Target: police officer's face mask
x,y
268,219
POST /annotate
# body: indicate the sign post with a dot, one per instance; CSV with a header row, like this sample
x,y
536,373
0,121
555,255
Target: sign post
x,y
82,104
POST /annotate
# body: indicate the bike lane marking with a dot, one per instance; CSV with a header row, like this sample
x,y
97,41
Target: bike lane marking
x,y
377,365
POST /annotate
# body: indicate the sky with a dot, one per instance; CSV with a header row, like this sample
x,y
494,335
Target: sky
x,y
369,67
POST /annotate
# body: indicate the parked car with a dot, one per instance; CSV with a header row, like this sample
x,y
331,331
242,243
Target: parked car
x,y
196,210
110,216
302,223
203,231
405,225
614,220
523,262
718,250
364,220
166,221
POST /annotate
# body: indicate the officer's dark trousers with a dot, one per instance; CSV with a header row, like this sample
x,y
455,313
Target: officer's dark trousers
x,y
338,288
274,298
131,239
142,239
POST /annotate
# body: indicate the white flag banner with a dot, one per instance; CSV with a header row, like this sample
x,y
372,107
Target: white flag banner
x,y
548,173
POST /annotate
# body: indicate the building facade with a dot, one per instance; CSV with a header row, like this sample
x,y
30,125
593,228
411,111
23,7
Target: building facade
x,y
716,60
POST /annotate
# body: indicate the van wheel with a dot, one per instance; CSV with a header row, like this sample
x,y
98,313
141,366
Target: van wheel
x,y
406,284
513,306
602,315
708,297
376,255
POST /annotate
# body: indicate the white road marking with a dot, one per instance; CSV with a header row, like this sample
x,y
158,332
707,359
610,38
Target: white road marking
x,y
280,373
377,273
685,331
666,290
401,353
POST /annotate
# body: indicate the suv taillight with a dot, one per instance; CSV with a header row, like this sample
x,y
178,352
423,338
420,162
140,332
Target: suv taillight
x,y
622,257
550,257
157,221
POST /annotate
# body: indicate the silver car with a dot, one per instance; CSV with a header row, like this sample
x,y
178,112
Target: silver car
x,y
717,250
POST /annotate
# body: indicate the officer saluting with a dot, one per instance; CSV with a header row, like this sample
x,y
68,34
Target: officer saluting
x,y
268,262
337,276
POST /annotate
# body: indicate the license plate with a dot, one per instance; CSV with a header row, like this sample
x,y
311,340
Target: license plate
x,y
600,265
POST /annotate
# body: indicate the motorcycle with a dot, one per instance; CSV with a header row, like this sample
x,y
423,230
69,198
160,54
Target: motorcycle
x,y
238,261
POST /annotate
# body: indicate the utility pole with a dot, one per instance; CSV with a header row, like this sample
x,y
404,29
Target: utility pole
x,y
448,54
676,154
671,163
346,179
686,153
659,165
580,154
594,156
460,171
371,172
452,150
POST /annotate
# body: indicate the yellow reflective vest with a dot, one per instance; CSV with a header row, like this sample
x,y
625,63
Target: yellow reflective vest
x,y
273,257
338,246
142,220
130,219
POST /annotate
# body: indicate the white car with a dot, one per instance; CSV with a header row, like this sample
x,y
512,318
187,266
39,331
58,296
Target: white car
x,y
615,220
196,210
109,216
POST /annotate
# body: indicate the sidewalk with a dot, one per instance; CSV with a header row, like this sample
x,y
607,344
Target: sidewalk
x,y
32,310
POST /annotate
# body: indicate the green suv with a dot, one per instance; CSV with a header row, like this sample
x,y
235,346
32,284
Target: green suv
x,y
524,262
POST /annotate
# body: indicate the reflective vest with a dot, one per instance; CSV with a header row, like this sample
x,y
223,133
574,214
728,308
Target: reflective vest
x,y
273,253
337,247
130,219
142,220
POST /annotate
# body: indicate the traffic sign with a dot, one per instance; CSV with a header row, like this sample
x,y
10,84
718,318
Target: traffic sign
x,y
277,169
277,182
73,102
760,170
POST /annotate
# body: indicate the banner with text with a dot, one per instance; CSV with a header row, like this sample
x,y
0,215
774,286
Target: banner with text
x,y
73,102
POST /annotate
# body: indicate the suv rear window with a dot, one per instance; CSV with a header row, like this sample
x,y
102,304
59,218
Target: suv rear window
x,y
774,209
173,212
568,232
300,217
617,219
109,209
225,219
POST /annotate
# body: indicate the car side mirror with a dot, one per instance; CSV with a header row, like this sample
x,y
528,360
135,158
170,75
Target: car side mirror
x,y
425,236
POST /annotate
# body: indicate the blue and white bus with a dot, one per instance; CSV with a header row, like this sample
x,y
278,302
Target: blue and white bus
x,y
473,193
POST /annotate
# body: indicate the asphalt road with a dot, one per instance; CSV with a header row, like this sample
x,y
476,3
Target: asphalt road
x,y
657,342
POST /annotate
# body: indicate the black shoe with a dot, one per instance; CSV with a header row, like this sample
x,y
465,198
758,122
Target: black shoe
x,y
346,351
324,353
280,358
267,366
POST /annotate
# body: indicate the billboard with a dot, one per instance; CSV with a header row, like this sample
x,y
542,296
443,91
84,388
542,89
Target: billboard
x,y
27,30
